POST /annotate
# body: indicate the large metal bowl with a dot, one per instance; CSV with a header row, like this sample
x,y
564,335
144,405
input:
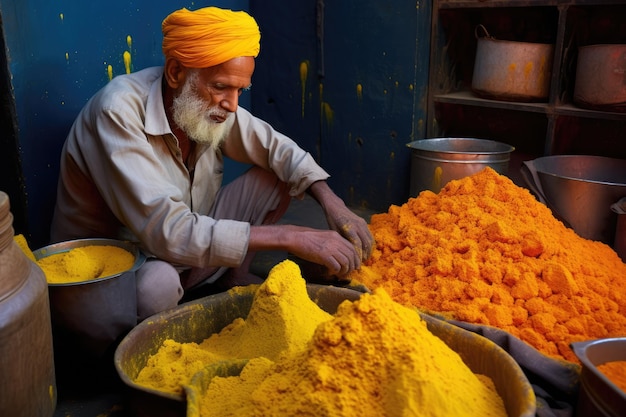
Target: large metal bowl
x,y
193,321
197,320
580,190
89,316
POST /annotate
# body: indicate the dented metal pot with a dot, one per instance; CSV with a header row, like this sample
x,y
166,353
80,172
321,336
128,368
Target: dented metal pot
x,y
511,71
601,77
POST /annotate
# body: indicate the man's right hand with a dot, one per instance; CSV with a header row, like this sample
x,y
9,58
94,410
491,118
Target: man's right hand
x,y
324,247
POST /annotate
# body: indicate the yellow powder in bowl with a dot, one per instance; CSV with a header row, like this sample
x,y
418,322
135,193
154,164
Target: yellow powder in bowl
x,y
282,320
86,263
374,357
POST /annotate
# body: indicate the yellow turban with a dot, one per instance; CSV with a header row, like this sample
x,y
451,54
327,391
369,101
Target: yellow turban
x,y
209,36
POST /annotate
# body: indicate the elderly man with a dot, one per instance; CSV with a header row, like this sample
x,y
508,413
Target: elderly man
x,y
144,162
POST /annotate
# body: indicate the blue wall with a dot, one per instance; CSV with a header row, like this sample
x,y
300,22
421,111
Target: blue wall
x,y
346,80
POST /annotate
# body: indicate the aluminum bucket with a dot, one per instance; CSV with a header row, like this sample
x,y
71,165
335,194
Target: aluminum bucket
x,y
435,162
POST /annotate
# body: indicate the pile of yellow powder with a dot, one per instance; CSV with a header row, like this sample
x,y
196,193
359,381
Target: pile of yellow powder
x,y
485,251
281,320
374,357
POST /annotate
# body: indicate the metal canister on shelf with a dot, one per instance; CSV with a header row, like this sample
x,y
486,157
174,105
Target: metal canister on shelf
x,y
28,383
511,70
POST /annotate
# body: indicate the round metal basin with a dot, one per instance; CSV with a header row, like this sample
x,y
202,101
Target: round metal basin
x,y
580,190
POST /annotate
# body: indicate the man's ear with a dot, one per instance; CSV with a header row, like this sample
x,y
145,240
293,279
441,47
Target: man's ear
x,y
174,73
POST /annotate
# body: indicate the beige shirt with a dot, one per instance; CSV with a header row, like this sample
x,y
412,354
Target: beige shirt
x,y
122,176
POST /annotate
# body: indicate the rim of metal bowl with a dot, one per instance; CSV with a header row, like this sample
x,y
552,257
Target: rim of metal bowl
x,y
469,146
541,165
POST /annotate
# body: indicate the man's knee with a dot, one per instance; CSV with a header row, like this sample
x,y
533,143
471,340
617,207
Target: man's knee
x,y
158,288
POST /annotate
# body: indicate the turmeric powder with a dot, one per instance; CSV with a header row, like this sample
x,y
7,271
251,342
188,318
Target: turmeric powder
x,y
21,242
485,251
615,371
281,320
375,358
85,263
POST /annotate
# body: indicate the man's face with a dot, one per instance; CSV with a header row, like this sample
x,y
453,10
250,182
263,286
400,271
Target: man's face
x,y
205,107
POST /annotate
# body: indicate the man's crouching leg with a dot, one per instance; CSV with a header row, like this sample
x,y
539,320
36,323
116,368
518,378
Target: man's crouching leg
x,y
158,288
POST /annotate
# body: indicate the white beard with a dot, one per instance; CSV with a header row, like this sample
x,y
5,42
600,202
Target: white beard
x,y
193,116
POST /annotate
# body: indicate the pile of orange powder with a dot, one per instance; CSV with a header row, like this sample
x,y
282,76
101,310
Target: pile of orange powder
x,y
485,251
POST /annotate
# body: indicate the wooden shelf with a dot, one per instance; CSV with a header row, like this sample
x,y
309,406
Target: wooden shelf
x,y
470,99
557,125
467,4
570,110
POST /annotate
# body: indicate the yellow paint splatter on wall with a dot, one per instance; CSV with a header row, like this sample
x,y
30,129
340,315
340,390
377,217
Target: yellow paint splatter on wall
x,y
110,72
304,73
67,56
61,16
327,113
127,62
129,42
359,91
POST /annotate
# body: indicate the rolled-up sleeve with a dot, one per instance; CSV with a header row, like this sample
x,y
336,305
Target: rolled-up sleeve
x,y
230,242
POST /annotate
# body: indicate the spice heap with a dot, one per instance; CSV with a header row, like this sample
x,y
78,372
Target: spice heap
x,y
85,263
281,320
485,251
375,358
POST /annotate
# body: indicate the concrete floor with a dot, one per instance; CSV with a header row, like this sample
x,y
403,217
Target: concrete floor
x,y
85,390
